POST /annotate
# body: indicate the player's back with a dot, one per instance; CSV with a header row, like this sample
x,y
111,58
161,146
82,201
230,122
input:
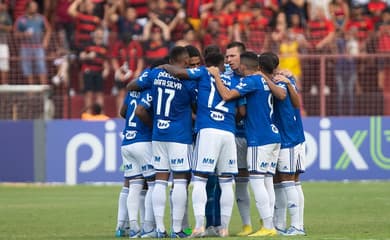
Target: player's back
x,y
286,120
259,123
212,110
172,100
135,130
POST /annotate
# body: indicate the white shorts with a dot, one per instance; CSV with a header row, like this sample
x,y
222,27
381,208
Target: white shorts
x,y
288,159
263,159
301,162
4,58
242,149
215,151
137,159
171,156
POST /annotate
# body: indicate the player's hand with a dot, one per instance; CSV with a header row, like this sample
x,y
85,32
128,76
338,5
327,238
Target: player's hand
x,y
214,71
281,78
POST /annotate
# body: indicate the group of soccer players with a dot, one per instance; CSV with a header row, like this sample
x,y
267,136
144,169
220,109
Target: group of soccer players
x,y
248,130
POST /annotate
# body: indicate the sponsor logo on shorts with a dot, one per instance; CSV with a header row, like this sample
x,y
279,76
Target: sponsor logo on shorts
x,y
178,161
208,161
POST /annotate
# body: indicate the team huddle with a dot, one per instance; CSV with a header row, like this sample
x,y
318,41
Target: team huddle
x,y
235,120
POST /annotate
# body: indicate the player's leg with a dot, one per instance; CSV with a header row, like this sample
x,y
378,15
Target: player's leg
x,y
227,168
287,164
301,167
213,190
134,156
179,159
122,217
161,164
260,158
242,190
142,204
205,156
148,227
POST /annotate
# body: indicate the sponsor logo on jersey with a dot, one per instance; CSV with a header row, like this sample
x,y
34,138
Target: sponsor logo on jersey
x,y
163,124
130,134
217,116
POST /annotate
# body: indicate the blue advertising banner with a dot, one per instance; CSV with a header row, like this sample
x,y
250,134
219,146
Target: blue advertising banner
x,y
337,149
83,151
16,151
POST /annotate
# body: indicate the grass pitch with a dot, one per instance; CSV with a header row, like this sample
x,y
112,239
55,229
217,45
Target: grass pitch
x,y
334,211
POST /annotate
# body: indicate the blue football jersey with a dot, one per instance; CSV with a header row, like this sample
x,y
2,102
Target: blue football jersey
x,y
259,126
212,110
171,101
135,130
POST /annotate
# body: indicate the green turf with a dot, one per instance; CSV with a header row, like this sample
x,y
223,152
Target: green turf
x,y
334,211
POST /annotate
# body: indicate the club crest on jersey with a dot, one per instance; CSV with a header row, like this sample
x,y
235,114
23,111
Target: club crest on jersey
x,y
163,124
217,116
130,134
274,128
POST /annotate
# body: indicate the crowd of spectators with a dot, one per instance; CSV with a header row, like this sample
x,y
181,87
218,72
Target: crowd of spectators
x,y
118,38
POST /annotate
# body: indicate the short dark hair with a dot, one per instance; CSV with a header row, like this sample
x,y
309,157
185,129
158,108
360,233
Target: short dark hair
x,y
176,52
211,49
241,46
192,51
250,59
268,62
214,59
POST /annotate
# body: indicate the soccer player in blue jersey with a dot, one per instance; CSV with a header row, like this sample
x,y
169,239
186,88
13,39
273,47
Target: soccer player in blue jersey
x,y
262,135
171,139
288,120
136,154
232,56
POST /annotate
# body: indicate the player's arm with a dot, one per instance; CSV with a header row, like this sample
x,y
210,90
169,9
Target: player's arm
x,y
142,110
141,83
225,93
290,88
176,71
133,86
123,111
144,115
277,91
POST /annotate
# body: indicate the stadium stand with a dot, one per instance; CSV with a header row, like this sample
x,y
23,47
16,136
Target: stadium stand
x,y
323,52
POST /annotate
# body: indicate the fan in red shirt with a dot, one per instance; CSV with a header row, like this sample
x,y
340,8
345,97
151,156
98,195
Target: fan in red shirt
x,y
256,31
375,8
364,26
94,67
156,39
320,31
127,61
86,22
